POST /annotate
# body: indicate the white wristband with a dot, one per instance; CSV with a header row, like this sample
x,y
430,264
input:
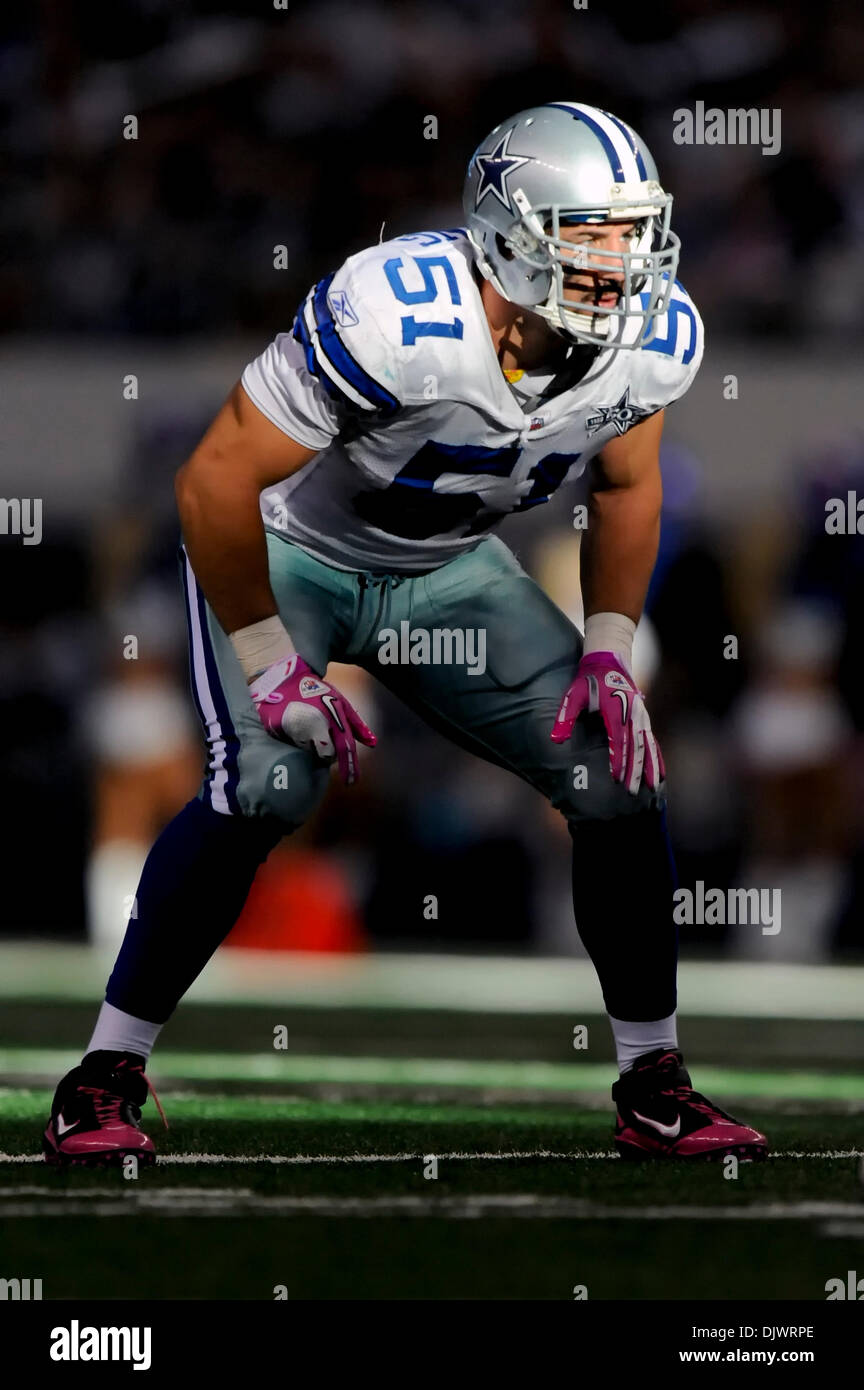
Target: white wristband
x,y
610,632
260,644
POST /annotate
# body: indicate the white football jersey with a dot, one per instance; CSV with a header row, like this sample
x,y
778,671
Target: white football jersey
x,y
391,373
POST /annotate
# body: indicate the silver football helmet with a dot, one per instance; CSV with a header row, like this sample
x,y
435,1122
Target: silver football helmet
x,y
560,165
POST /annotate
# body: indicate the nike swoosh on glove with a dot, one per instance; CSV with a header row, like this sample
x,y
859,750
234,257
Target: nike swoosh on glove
x,y
298,707
604,686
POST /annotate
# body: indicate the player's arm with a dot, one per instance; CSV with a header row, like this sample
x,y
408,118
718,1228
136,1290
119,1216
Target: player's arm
x,y
618,554
218,499
619,547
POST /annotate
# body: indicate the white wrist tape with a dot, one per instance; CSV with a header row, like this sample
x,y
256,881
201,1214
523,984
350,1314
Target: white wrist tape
x,y
610,632
260,644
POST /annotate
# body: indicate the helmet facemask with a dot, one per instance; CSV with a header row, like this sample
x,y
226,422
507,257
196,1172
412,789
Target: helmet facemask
x,y
542,258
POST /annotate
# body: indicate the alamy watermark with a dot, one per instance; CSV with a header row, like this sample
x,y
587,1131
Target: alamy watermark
x,y
21,516
720,907
735,126
849,1288
437,646
20,1290
77,1343
844,516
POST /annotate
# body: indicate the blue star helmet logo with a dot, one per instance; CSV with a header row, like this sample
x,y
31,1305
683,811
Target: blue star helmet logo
x,y
495,166
623,416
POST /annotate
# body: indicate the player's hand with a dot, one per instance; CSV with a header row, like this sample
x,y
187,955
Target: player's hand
x,y
299,707
604,686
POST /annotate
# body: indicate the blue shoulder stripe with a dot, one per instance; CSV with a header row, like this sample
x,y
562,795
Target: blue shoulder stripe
x,y
301,333
313,366
339,356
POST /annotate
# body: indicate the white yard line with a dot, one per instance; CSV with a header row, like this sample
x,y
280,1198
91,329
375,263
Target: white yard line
x,y
36,1190
225,1202
196,1158
467,1156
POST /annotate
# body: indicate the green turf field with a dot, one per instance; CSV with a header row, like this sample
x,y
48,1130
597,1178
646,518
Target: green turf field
x,y
309,1169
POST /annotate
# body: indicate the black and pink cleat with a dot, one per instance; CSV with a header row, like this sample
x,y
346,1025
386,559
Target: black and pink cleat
x,y
661,1116
95,1117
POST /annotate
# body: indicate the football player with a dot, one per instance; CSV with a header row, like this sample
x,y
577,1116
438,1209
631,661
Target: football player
x,y
353,480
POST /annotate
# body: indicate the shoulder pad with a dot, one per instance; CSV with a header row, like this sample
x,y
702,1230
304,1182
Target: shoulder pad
x,y
405,310
345,346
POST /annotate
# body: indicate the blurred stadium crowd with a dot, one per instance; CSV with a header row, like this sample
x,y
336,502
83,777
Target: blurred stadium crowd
x,y
305,128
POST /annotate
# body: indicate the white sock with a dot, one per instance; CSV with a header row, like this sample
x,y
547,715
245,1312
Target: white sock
x,y
119,1032
632,1040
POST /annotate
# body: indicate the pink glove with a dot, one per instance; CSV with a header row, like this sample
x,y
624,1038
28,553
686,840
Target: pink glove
x,y
298,707
604,686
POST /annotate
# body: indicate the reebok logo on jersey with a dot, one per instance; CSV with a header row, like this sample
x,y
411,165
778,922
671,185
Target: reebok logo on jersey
x,y
340,308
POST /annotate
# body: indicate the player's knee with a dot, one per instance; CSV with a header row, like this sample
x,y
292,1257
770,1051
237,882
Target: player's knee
x,y
289,788
588,792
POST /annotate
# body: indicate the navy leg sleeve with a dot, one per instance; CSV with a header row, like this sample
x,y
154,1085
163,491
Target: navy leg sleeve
x,y
193,887
623,882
